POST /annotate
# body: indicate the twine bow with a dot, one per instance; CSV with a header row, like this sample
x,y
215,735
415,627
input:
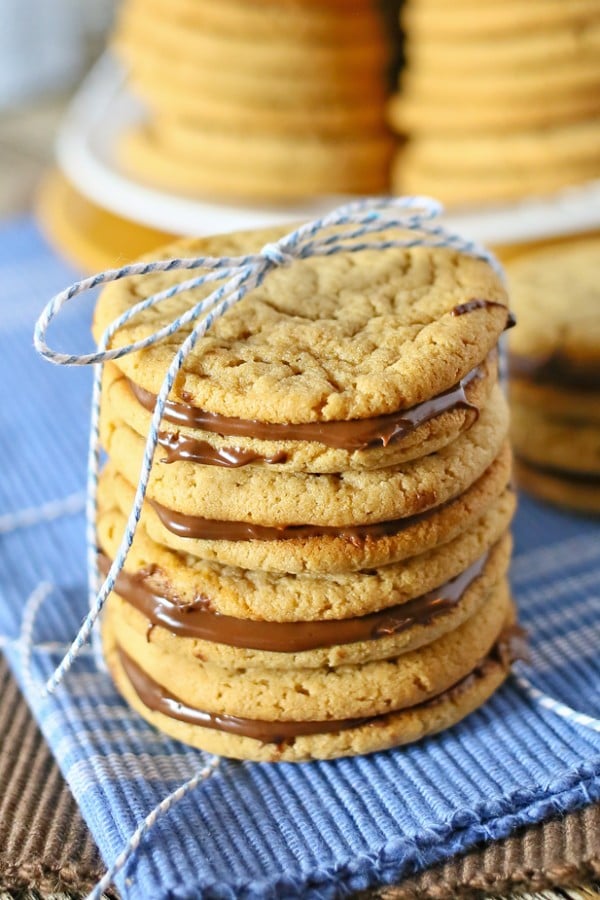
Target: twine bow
x,y
353,223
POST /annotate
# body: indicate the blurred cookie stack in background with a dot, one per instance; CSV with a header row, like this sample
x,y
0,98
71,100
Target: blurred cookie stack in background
x,y
498,101
555,373
271,101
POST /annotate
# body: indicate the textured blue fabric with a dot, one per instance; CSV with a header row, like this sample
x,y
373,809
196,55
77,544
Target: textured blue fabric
x,y
318,830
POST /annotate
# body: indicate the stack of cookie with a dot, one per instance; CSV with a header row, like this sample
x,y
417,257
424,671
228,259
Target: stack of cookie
x,y
498,100
555,373
321,564
257,101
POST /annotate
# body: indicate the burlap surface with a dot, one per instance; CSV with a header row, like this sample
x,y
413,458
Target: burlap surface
x,y
45,845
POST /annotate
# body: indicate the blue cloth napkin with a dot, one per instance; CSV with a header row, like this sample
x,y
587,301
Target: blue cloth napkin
x,y
318,830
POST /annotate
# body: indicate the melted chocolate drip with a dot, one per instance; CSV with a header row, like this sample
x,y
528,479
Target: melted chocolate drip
x,y
220,530
159,699
471,305
354,434
181,447
194,620
512,645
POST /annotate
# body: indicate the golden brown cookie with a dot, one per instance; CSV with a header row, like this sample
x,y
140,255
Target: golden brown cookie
x,y
409,115
330,553
556,296
273,167
568,489
563,145
268,597
548,441
366,444
270,54
523,50
303,20
474,19
196,112
187,493
327,338
434,667
457,188
568,404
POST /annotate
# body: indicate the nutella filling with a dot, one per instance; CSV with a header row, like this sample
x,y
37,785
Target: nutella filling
x,y
182,447
220,530
471,305
351,435
554,369
591,478
196,620
508,647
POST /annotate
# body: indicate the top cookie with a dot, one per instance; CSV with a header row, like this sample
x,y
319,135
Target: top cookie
x,y
556,297
327,338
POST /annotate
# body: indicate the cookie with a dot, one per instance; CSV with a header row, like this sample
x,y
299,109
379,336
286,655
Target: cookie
x,y
274,597
149,697
562,145
269,54
191,113
548,441
558,486
206,501
192,633
530,50
228,84
556,296
277,168
364,444
555,373
458,188
563,403
301,19
337,552
343,692
378,331
582,76
473,19
409,115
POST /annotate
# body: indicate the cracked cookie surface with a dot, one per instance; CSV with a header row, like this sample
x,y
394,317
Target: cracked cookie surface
x,y
327,338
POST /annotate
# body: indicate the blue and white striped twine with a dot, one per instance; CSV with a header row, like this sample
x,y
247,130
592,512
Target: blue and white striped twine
x,y
239,275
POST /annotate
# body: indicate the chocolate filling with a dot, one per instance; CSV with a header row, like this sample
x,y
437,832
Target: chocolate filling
x,y
554,369
195,620
590,478
353,434
471,305
220,530
182,447
507,648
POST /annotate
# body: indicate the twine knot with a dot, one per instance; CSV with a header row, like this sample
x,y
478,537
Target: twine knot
x,y
277,254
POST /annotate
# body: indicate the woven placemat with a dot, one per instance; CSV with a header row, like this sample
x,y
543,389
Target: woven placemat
x,y
45,845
